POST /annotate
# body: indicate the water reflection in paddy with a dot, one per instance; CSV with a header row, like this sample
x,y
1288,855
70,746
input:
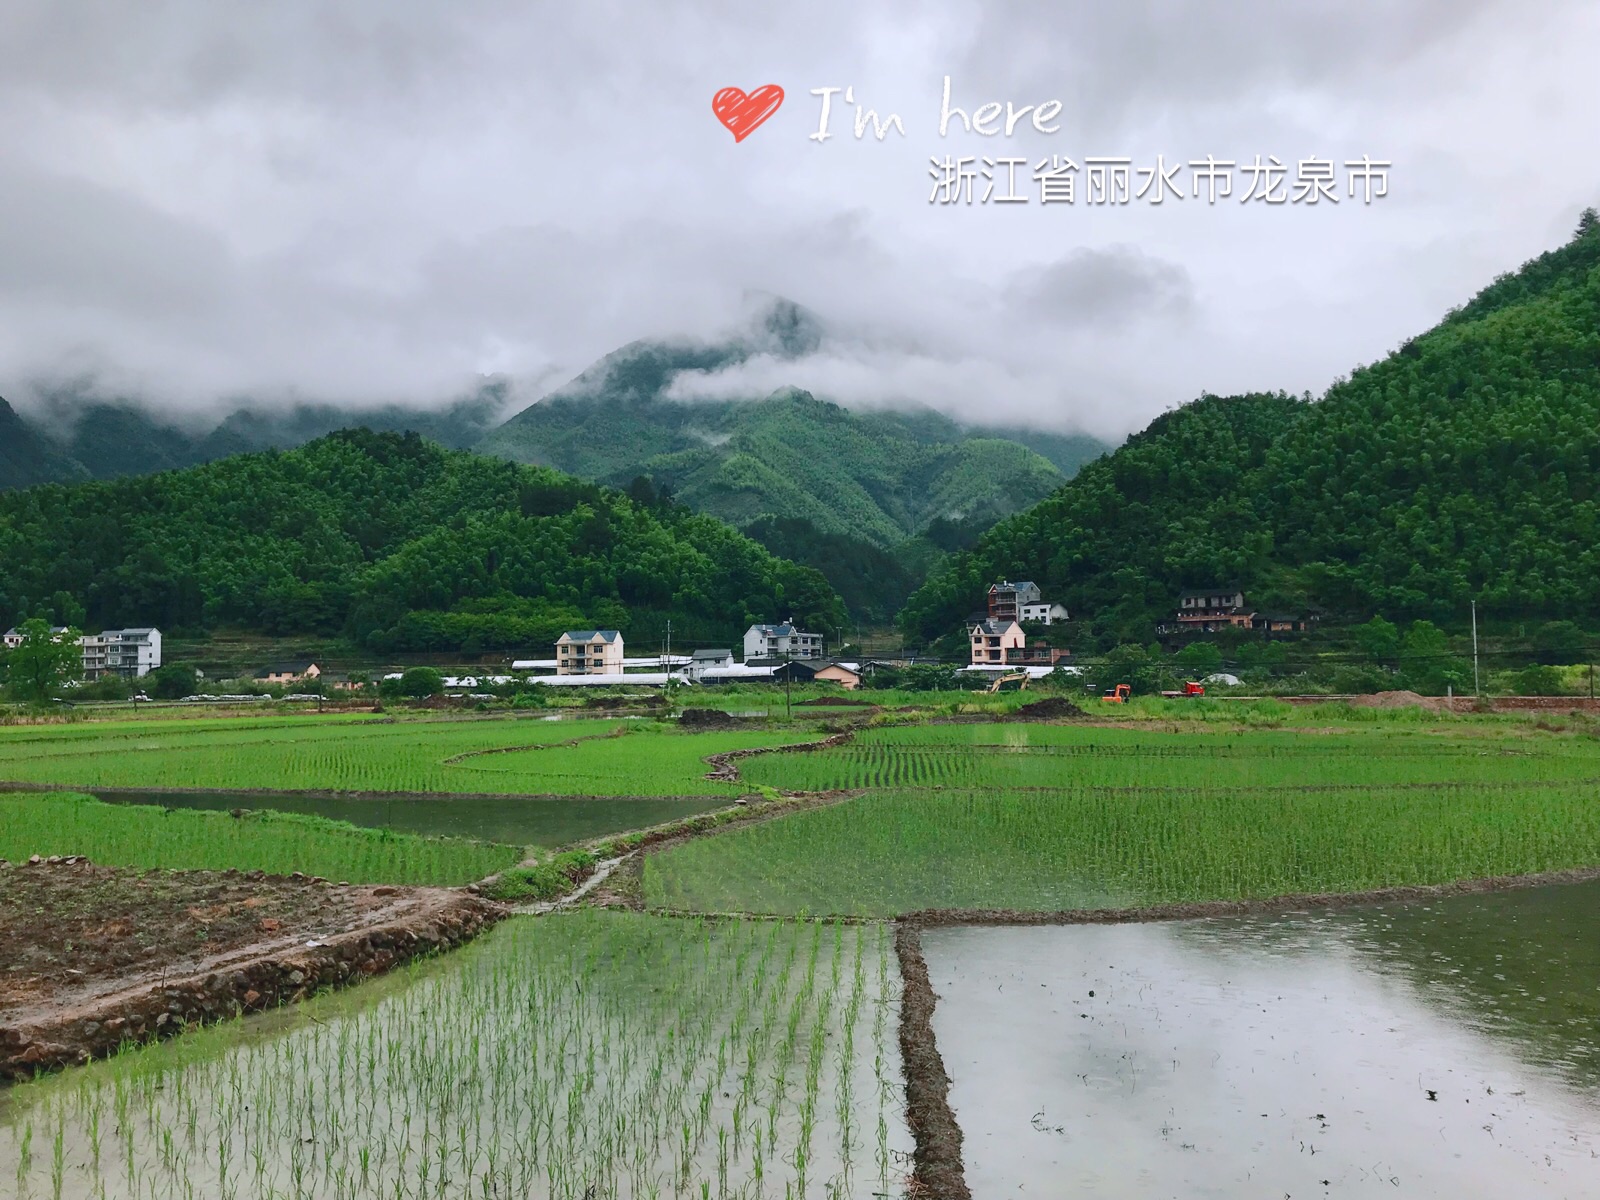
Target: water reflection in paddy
x,y
1449,1049
515,821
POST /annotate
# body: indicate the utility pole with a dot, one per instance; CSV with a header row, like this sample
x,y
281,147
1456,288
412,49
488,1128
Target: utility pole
x,y
1476,691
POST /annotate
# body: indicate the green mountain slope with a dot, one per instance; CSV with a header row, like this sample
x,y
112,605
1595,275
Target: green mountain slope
x,y
853,493
80,436
28,457
1464,466
397,542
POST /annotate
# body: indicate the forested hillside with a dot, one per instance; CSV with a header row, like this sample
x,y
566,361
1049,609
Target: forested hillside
x,y
869,498
396,542
72,435
1465,465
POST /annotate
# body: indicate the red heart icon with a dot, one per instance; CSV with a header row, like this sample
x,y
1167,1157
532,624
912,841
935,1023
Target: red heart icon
x,y
743,114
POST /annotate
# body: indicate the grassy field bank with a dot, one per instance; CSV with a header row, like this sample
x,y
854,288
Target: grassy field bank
x,y
138,835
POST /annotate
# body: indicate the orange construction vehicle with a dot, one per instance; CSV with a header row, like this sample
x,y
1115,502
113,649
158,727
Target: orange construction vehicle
x,y
1118,694
1190,690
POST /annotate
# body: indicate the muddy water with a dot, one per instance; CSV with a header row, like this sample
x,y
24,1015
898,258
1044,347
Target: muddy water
x,y
1442,1050
516,822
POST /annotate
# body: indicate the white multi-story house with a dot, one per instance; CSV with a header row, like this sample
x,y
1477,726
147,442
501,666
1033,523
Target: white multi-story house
x,y
126,652
589,652
781,641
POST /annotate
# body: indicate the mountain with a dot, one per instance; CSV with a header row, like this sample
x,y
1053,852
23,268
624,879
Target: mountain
x,y
76,434
28,457
395,542
853,493
1464,466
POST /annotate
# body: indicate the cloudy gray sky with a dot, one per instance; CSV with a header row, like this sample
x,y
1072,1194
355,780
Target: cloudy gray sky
x,y
378,200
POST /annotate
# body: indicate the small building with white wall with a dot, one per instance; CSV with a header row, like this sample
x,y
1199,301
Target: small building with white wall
x,y
781,641
589,652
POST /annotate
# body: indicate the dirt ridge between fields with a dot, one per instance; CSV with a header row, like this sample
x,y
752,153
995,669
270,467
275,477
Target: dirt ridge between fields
x,y
421,921
937,1171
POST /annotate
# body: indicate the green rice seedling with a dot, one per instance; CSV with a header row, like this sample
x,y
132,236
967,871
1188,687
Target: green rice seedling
x,y
278,843
338,754
512,1068
896,851
1055,756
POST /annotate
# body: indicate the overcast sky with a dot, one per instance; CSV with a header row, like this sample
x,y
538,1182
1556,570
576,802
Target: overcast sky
x,y
379,201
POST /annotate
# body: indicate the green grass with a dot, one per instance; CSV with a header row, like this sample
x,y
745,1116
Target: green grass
x,y
588,1053
898,851
1054,756
138,835
345,754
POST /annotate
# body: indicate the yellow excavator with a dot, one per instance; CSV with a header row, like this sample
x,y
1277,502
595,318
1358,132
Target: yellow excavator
x,y
1020,678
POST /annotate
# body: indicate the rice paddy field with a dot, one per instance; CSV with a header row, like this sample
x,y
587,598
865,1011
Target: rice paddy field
x,y
680,1044
146,836
1044,818
494,756
582,1055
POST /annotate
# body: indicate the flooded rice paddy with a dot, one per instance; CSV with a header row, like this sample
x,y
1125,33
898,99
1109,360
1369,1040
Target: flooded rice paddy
x,y
580,1055
1441,1049
518,821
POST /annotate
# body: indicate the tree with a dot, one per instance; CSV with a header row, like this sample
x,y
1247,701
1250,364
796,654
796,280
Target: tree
x,y
1426,662
1588,222
44,661
1131,664
421,682
171,682
1379,640
1561,643
1199,659
1537,681
930,677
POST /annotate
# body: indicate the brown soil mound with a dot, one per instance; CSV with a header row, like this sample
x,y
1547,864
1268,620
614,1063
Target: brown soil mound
x,y
1055,708
99,955
1400,699
709,718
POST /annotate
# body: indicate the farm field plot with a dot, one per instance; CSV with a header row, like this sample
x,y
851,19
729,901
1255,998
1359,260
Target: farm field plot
x,y
340,754
896,851
1019,755
1445,1049
512,821
585,1054
277,843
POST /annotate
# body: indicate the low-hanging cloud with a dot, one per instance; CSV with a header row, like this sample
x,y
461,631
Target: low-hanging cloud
x,y
387,200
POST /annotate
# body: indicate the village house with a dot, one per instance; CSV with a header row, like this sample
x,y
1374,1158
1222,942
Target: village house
x,y
846,675
589,652
129,653
992,639
1210,610
288,672
1007,599
1206,610
1022,601
702,661
13,637
781,641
